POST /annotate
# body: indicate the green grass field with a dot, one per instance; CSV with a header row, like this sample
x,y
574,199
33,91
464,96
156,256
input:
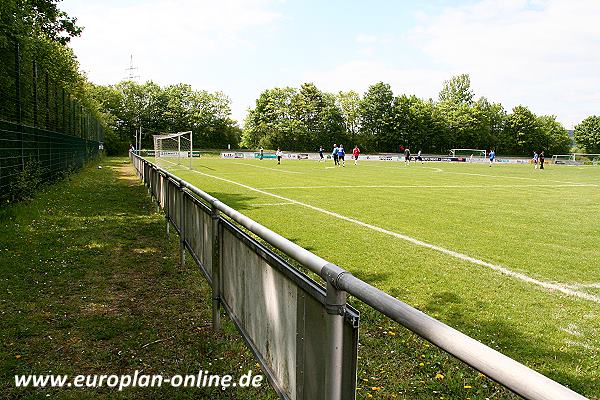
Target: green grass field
x,y
90,284
508,255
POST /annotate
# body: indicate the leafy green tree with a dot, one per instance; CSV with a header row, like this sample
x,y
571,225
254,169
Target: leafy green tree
x,y
170,109
457,90
555,136
40,30
377,117
306,108
271,123
349,105
492,123
587,134
523,131
36,18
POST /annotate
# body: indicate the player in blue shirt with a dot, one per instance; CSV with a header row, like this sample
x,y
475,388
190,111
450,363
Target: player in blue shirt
x,y
334,154
341,154
492,157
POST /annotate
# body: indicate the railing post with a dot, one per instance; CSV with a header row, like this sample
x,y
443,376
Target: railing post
x,y
335,304
166,208
216,269
181,225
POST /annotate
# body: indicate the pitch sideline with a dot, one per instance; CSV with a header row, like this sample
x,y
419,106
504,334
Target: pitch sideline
x,y
499,268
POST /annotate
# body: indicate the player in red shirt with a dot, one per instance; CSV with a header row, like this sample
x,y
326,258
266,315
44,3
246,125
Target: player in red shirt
x,y
355,154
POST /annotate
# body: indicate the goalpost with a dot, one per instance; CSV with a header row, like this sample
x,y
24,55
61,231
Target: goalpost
x,y
177,146
576,159
587,159
469,153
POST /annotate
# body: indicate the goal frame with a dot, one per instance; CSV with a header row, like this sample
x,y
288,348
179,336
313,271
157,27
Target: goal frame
x,y
477,153
160,152
577,159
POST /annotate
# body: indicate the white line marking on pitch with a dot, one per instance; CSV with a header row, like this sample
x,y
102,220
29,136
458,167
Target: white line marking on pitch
x,y
464,257
272,169
509,177
422,186
272,204
484,175
434,169
593,285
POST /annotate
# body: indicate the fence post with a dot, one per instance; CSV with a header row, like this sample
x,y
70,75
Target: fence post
x,y
335,304
63,114
167,199
35,95
55,106
19,104
216,269
181,224
47,100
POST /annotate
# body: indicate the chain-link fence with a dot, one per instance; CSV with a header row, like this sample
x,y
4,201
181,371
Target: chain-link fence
x,y
45,130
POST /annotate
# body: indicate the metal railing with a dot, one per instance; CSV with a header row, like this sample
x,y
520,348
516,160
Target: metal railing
x,y
502,369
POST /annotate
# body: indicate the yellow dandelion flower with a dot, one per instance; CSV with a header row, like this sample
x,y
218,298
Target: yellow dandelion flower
x,y
392,333
369,395
468,387
439,376
421,364
375,388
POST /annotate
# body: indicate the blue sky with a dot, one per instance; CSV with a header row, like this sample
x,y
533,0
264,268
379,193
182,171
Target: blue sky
x,y
544,54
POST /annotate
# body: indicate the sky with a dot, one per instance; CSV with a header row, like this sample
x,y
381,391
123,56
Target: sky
x,y
544,54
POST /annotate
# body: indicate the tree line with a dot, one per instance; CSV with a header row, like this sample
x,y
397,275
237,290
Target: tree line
x,y
173,108
38,71
379,121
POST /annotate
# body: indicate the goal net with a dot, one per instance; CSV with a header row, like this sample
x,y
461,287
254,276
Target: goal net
x,y
564,159
475,154
174,147
587,159
576,159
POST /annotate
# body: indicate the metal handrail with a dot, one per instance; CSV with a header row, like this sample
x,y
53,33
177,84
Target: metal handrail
x,y
513,375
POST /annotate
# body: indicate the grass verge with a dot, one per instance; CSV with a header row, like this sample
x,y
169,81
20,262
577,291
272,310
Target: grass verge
x,y
89,284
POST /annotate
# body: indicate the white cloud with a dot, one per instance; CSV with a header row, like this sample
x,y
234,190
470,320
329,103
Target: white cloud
x,y
164,36
361,38
544,54
359,75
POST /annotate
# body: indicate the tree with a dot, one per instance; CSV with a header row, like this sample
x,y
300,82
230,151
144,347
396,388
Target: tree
x,y
457,90
173,108
36,18
492,134
556,137
349,106
376,114
587,134
271,124
523,131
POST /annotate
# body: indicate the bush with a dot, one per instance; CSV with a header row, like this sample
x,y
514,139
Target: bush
x,y
114,146
27,182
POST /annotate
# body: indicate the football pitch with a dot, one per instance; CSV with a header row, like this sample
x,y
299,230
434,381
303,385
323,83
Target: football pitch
x,y
506,254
